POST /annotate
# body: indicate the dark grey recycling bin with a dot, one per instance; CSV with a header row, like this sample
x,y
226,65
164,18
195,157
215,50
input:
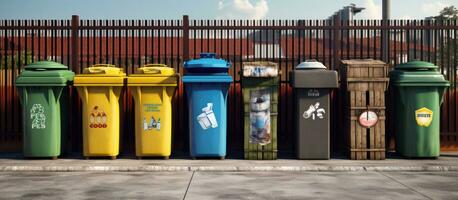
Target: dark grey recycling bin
x,y
312,84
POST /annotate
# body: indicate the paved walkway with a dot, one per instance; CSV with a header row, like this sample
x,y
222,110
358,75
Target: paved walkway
x,y
201,185
447,162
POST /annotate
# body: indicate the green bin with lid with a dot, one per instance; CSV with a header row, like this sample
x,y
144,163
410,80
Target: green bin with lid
x,y
418,88
40,86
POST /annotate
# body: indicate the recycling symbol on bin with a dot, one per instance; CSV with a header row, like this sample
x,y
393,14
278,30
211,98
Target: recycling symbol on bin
x,y
314,111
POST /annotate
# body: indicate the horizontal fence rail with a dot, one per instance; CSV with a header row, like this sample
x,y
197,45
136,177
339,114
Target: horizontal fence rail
x,y
129,44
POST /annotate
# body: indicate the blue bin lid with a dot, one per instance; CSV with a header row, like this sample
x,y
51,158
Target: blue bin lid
x,y
207,63
207,79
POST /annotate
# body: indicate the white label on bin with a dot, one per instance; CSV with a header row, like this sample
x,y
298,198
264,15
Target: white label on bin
x,y
97,118
368,119
37,114
207,118
313,93
424,116
314,111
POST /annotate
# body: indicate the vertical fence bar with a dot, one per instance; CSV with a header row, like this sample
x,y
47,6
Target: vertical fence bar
x,y
336,41
75,38
185,38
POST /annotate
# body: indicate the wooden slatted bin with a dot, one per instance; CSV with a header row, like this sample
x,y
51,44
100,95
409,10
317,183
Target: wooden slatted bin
x,y
364,83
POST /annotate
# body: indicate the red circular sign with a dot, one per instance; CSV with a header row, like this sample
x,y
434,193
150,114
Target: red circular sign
x,y
368,119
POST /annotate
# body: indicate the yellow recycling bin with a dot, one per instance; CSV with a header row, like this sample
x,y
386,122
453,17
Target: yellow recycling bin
x,y
99,88
152,87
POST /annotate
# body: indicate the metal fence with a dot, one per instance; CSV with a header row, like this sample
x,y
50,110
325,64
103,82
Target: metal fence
x,y
131,43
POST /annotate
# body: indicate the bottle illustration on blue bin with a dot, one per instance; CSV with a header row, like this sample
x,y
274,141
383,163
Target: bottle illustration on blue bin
x,y
206,83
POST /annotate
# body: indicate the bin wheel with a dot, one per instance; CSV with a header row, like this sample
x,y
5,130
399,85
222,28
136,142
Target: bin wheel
x,y
194,158
86,158
54,158
113,157
139,157
166,157
222,157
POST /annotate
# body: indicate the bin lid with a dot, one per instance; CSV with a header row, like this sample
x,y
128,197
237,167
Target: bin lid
x,y
207,63
417,73
99,75
416,65
208,79
314,79
44,73
45,65
102,70
155,70
260,69
153,75
310,64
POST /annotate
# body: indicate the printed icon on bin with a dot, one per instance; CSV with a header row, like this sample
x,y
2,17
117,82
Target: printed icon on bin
x,y
424,116
153,124
37,113
207,118
314,111
98,118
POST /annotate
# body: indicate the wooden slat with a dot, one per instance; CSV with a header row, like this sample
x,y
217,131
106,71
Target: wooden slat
x,y
352,127
372,129
363,129
382,140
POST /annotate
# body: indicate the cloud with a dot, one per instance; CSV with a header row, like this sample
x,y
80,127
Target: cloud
x,y
242,9
372,11
433,8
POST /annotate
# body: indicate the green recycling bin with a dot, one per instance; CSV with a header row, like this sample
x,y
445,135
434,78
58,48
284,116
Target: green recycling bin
x,y
40,87
418,88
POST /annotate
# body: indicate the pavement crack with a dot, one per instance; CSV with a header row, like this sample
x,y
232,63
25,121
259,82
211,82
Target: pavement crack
x,y
411,188
189,184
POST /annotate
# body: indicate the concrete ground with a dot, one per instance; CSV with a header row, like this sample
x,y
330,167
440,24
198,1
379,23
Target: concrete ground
x,y
201,185
125,178
446,162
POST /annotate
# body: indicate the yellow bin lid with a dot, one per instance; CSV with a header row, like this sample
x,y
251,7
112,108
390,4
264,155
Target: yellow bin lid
x,y
156,70
153,75
100,75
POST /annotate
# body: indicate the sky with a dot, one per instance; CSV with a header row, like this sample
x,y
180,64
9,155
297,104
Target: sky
x,y
213,9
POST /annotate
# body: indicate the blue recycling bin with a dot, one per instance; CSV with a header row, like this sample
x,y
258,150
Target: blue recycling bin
x,y
206,83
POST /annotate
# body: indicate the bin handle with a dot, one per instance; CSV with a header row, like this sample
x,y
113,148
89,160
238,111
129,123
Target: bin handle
x,y
154,65
94,70
103,65
151,71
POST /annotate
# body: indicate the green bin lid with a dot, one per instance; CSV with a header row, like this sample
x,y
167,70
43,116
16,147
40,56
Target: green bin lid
x,y
45,73
417,73
416,65
45,65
